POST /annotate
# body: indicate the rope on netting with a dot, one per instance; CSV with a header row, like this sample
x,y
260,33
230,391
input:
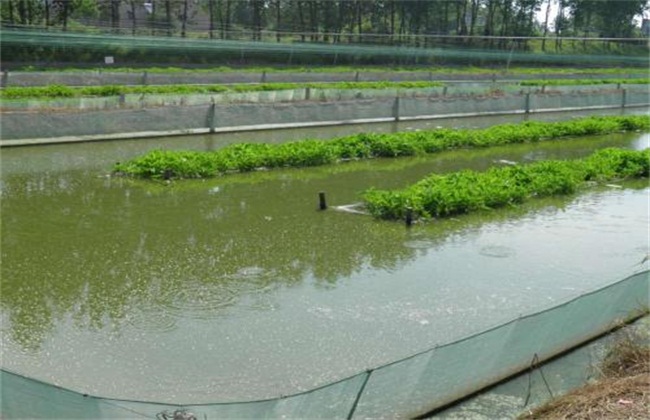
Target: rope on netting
x,y
535,364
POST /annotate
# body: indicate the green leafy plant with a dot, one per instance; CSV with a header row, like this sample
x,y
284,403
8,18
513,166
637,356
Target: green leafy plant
x,y
467,191
249,156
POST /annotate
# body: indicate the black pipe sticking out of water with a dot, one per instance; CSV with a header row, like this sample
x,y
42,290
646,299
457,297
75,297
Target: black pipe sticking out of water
x,y
322,204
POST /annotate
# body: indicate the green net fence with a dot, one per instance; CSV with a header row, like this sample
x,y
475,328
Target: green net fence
x,y
408,387
57,45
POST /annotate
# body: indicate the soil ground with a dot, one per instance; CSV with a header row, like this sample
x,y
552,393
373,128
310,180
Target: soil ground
x,y
622,392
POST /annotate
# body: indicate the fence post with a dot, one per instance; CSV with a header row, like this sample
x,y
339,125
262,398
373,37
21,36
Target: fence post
x,y
5,78
623,97
212,116
396,109
307,93
145,76
527,104
356,400
356,76
263,77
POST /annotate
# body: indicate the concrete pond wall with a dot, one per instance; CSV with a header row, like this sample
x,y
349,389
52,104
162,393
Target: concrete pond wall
x,y
33,126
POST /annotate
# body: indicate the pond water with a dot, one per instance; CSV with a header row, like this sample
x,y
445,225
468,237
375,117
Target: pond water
x,y
238,289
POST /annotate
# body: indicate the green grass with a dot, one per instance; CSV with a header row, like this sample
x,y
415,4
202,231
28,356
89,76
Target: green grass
x,y
467,191
583,82
61,91
250,156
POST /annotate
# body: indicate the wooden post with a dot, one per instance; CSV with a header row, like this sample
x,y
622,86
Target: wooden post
x,y
322,204
5,78
307,93
623,97
145,76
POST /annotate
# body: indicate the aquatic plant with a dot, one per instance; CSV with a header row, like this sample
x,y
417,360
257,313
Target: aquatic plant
x,y
249,156
467,191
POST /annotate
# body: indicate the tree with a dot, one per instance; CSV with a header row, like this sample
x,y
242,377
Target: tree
x,y
615,19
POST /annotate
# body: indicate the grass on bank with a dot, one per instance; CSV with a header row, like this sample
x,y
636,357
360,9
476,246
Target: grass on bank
x,y
622,391
244,157
62,91
584,82
467,191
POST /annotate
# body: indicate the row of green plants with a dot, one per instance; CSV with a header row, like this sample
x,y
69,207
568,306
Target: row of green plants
x,y
244,157
61,91
584,82
468,191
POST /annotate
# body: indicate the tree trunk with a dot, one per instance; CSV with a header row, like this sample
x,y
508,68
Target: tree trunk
x,y
227,20
278,22
22,12
184,18
461,17
168,16
66,11
546,17
46,10
313,23
152,19
472,22
133,23
115,15
559,25
301,18
211,19
359,22
10,6
392,21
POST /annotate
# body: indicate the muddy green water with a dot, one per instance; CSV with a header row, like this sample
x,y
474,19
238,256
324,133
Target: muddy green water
x,y
237,288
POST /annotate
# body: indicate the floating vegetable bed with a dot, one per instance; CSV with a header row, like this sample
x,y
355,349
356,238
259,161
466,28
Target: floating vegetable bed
x,y
467,191
251,156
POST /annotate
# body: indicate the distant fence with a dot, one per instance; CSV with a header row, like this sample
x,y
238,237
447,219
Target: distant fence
x,y
133,116
405,388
